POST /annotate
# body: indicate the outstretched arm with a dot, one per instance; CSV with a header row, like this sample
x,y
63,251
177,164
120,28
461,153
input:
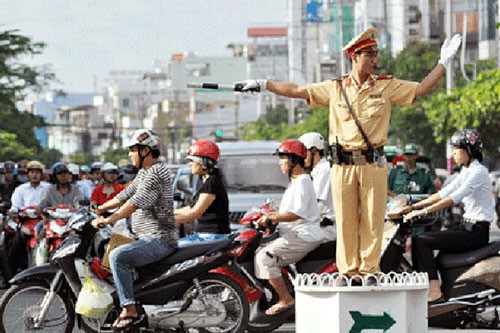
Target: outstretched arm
x,y
448,51
430,80
286,89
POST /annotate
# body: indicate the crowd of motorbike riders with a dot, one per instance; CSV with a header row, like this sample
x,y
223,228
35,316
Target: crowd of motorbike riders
x,y
27,186
305,216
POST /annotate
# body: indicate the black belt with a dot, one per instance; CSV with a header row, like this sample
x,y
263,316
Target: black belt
x,y
359,157
469,224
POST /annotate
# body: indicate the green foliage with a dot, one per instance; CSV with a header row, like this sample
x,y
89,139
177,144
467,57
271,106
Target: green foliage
x,y
114,155
17,80
474,106
10,149
82,158
261,129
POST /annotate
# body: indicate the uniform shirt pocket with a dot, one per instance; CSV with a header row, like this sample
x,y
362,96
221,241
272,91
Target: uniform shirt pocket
x,y
376,107
342,111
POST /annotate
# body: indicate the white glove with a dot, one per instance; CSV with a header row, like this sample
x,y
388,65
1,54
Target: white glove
x,y
258,85
449,49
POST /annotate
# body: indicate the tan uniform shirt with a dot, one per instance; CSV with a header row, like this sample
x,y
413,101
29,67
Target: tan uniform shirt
x,y
371,103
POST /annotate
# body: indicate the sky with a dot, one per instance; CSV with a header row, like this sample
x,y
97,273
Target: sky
x,y
88,38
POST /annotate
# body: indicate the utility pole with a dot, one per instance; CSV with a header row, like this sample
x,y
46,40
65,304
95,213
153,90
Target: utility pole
x,y
450,82
341,38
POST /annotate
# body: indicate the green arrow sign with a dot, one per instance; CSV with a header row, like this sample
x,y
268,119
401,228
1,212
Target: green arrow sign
x,y
367,322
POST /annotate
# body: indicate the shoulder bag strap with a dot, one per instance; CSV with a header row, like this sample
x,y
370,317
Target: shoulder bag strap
x,y
356,120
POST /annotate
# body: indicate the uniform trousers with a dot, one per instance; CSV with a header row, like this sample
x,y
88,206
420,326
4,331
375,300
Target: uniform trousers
x,y
462,240
359,199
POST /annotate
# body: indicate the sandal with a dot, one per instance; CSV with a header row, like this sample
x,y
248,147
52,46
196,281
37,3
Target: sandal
x,y
279,308
134,321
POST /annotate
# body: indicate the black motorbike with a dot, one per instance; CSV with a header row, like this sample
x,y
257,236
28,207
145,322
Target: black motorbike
x,y
179,293
469,280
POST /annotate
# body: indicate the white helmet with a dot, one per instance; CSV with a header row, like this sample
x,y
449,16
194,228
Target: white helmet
x,y
109,167
145,137
73,168
313,139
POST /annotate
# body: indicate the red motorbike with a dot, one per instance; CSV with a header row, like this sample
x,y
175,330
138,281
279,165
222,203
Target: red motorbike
x,y
18,241
56,231
255,231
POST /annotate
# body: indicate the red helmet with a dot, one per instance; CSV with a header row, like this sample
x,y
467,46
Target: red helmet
x,y
292,147
205,148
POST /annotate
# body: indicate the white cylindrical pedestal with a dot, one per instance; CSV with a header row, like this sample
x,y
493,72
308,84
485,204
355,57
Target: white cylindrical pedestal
x,y
396,303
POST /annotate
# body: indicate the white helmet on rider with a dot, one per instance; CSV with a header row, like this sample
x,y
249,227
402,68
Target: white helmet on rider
x,y
313,139
145,137
74,169
109,167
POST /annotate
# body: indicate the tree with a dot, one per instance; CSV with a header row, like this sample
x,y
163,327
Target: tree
x,y
17,80
11,150
474,106
115,155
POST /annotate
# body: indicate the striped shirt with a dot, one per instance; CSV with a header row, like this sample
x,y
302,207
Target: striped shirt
x,y
151,193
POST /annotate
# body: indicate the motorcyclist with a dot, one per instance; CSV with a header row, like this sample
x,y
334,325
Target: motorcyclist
x,y
149,201
126,174
31,193
298,221
26,195
62,192
4,202
22,171
472,187
210,205
84,187
10,183
95,173
109,187
320,173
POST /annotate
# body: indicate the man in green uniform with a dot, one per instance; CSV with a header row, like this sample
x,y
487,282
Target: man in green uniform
x,y
408,178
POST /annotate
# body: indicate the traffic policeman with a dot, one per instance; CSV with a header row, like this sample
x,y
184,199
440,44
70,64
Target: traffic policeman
x,y
409,178
360,100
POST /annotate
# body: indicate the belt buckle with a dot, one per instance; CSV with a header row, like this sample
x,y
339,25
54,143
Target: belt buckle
x,y
358,158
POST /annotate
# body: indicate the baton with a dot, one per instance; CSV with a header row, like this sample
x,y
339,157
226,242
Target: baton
x,y
217,86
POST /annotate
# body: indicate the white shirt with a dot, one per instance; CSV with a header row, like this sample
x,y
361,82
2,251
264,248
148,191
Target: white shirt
x,y
300,199
321,181
322,186
472,187
26,195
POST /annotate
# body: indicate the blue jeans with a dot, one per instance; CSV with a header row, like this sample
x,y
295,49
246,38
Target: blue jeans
x,y
125,258
202,237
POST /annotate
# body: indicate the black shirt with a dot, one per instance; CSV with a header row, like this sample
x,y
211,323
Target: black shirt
x,y
216,218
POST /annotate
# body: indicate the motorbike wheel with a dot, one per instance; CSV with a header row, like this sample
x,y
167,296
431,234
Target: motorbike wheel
x,y
232,296
21,303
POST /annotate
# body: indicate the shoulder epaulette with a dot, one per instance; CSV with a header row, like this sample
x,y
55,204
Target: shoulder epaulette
x,y
385,77
340,78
